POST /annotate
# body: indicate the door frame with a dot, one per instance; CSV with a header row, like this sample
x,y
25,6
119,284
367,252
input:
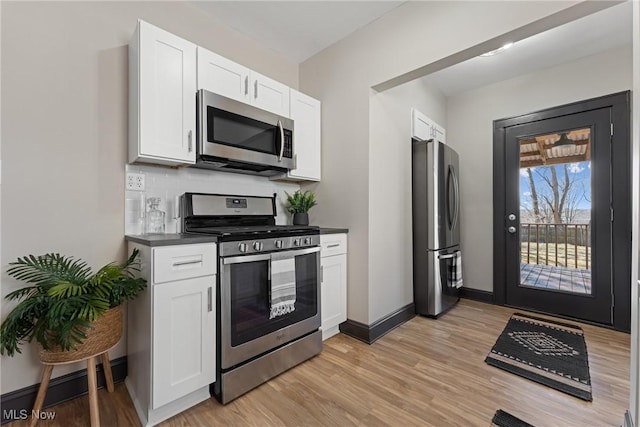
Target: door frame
x,y
621,185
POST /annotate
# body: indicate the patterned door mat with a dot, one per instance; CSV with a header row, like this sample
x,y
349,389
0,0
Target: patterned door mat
x,y
550,353
504,419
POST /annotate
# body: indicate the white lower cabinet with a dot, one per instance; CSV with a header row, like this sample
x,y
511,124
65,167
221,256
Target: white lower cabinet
x,y
172,331
184,353
333,289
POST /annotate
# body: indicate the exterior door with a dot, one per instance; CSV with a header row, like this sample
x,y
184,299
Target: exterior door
x,y
559,256
562,213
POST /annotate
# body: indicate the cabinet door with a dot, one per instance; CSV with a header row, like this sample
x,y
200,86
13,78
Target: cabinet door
x,y
167,74
422,127
183,338
333,290
305,112
222,76
269,95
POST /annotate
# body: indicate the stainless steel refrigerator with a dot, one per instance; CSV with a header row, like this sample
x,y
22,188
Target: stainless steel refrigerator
x,y
437,260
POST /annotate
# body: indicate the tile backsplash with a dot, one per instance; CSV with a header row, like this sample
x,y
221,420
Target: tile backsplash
x,y
169,183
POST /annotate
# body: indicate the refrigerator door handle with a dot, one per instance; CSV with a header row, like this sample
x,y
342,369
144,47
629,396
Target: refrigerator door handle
x,y
453,217
449,256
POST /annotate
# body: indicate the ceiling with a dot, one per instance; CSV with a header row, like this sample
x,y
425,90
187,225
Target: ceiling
x,y
300,29
296,29
542,150
601,31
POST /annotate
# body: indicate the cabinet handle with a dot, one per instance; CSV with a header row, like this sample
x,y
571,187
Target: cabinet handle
x,y
195,260
210,299
255,89
335,245
190,141
246,85
321,274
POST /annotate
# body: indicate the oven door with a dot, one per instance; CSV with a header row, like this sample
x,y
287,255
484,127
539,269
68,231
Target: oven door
x,y
246,329
232,130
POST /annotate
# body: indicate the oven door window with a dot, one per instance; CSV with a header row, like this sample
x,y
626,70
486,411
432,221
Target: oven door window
x,y
234,130
251,303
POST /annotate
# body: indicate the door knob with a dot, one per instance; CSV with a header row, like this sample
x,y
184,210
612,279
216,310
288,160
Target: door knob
x,y
511,229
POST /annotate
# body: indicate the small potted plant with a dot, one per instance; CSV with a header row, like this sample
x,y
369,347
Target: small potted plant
x,y
67,308
299,204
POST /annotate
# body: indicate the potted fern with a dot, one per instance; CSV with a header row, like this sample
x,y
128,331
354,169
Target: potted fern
x,y
299,204
68,309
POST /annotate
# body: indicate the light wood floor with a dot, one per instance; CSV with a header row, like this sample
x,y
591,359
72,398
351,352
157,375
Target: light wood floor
x,y
425,373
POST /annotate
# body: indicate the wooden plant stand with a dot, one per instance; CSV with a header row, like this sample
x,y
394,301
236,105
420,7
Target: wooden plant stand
x,y
106,332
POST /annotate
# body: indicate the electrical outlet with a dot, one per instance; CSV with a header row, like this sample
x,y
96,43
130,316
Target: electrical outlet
x,y
135,181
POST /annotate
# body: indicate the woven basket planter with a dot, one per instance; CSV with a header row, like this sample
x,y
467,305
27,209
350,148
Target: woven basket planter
x,y
106,332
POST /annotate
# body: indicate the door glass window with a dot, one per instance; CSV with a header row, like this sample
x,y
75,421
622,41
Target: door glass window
x,y
556,211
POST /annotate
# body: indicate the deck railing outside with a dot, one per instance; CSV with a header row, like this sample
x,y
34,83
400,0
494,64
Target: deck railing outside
x,y
566,245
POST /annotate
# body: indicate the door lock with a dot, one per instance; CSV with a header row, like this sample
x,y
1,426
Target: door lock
x,y
512,217
512,229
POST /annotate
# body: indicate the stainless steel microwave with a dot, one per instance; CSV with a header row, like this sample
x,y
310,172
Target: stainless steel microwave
x,y
237,137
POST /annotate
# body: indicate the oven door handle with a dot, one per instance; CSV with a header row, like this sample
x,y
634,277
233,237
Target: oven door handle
x,y
245,259
293,254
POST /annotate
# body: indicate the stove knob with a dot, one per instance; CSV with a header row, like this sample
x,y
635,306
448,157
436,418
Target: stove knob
x,y
242,247
296,242
307,241
278,244
257,246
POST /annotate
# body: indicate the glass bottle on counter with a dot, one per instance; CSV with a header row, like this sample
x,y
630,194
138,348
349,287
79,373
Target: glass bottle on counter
x,y
155,217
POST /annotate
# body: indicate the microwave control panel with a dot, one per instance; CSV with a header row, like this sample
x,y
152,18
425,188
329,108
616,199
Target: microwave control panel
x,y
288,145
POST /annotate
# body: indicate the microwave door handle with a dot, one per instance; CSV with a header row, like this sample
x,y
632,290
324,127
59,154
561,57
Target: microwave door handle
x,y
281,140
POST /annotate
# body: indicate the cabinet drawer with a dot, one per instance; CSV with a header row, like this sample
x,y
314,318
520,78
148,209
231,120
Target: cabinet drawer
x,y
183,262
333,244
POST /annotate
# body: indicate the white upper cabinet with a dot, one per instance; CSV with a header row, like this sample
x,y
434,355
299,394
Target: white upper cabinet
x,y
269,94
220,75
305,112
162,88
422,127
165,72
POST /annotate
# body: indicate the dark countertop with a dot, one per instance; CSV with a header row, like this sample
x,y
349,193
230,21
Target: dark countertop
x,y
154,240
329,230
170,239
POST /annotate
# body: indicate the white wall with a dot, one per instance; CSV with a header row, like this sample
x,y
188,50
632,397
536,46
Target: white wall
x,y
390,212
64,133
470,117
407,38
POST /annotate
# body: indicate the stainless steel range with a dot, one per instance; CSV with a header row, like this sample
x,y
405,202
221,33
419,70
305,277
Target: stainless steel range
x,y
268,288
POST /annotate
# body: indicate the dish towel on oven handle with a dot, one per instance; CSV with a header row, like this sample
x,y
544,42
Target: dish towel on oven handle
x,y
283,287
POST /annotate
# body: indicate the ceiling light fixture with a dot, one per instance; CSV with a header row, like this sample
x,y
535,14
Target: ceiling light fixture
x,y
564,141
498,50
